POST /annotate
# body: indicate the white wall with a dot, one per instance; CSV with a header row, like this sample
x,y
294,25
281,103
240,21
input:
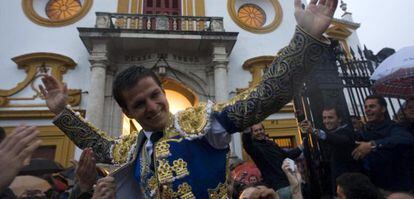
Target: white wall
x,y
19,35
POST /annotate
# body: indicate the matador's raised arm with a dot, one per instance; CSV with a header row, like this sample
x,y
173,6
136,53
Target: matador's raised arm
x,y
279,83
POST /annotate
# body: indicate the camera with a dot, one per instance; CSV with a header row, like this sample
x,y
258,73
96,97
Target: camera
x,y
291,164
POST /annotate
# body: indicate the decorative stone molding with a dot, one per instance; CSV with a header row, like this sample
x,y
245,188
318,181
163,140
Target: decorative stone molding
x,y
36,65
260,30
255,66
162,22
30,12
217,25
102,20
220,56
29,114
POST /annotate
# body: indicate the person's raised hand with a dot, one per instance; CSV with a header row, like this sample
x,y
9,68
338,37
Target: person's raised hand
x,y
14,150
306,126
294,176
86,170
55,93
316,17
258,192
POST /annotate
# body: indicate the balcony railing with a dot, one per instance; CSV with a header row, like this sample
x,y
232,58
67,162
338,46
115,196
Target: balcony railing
x,y
159,22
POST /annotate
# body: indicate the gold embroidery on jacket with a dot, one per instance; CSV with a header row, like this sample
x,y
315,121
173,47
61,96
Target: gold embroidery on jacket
x,y
164,171
122,147
180,168
220,192
185,191
162,149
193,120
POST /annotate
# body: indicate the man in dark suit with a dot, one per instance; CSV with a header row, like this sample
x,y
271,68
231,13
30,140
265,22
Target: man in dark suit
x,y
385,148
338,141
268,157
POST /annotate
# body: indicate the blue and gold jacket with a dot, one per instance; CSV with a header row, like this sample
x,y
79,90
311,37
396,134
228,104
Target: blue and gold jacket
x,y
186,165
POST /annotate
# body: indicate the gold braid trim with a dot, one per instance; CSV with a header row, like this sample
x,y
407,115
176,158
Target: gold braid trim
x,y
124,148
84,134
241,96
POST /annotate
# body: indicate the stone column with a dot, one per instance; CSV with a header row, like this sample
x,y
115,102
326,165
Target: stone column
x,y
112,112
220,60
96,98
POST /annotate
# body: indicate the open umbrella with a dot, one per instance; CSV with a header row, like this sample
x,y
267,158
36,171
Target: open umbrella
x,y
394,77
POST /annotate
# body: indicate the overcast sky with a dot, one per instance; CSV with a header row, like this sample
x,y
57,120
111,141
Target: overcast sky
x,y
384,23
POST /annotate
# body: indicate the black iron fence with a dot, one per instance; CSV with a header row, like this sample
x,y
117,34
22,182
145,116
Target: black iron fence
x,y
355,70
341,79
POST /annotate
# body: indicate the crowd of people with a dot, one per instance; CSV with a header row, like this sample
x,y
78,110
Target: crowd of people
x,y
186,155
374,160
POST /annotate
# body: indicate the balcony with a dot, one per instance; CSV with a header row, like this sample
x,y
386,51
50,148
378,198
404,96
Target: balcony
x,y
127,32
159,22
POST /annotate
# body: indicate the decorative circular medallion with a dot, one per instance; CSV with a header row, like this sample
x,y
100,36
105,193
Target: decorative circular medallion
x,y
252,15
62,9
57,12
252,18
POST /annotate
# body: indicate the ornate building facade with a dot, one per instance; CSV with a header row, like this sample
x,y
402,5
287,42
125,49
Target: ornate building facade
x,y
202,49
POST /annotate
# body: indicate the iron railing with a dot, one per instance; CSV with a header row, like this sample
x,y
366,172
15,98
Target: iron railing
x,y
158,22
355,71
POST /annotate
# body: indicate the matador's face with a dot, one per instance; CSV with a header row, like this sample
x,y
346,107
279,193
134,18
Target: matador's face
x,y
147,103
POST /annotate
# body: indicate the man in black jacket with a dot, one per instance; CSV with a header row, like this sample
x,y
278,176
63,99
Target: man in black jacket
x,y
384,148
268,157
339,141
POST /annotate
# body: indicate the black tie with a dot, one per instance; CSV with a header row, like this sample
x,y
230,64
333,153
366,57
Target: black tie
x,y
154,139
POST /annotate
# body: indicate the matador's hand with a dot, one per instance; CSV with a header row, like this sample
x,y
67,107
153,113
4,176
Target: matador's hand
x,y
55,93
316,17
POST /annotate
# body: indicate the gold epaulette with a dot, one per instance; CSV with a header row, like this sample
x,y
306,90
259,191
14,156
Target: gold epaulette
x,y
194,122
124,147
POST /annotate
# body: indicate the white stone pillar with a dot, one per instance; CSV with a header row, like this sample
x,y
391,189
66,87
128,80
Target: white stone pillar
x,y
220,60
96,97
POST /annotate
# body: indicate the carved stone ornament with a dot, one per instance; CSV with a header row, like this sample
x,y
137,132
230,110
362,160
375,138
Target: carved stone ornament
x,y
37,65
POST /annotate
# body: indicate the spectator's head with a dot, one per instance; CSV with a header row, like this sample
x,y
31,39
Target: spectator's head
x,y
2,134
139,93
332,118
375,108
258,190
356,186
258,131
400,195
356,122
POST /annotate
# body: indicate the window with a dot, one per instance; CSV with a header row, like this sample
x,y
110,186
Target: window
x,y
286,142
252,15
169,7
62,9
